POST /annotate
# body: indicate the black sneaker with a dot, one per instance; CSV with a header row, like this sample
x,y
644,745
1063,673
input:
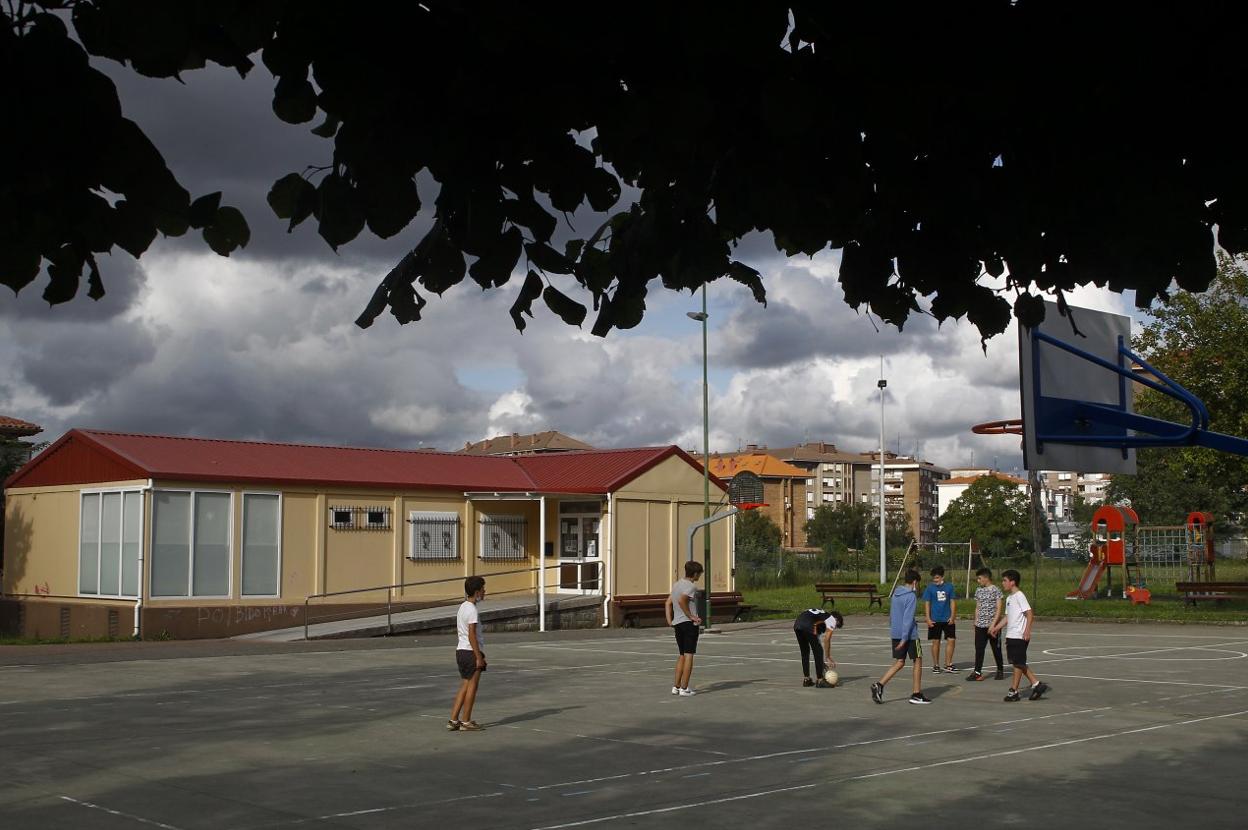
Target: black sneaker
x,y
919,699
1039,690
877,692
952,669
1012,696
975,675
1000,674
822,684
807,682
936,669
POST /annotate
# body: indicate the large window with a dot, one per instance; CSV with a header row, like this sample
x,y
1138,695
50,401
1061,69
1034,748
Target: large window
x,y
435,536
502,537
190,544
262,551
109,537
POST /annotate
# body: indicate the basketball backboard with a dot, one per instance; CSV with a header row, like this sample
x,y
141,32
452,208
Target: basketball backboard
x,y
745,488
1060,369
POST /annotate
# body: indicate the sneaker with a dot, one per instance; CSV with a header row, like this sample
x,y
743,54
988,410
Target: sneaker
x,y
470,726
1000,674
952,669
1039,690
687,693
877,692
452,726
675,690
920,699
1012,696
805,682
975,675
936,669
823,684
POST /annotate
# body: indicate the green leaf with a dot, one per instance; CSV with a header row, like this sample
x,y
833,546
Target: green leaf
x,y
327,129
64,273
406,303
529,213
228,231
494,267
294,100
1029,309
747,276
568,309
602,190
19,265
594,271
547,258
531,290
338,209
391,207
442,265
133,228
95,285
204,209
288,193
403,274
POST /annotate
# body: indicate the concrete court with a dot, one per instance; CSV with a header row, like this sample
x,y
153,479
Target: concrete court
x,y
1146,725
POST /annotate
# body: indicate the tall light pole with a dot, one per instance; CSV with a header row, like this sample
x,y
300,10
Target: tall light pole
x,y
701,317
881,384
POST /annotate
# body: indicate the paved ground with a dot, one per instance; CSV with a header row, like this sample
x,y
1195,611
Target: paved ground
x,y
1145,726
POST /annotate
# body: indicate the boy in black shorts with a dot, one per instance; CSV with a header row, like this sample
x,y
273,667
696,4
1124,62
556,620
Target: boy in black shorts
x,y
469,658
807,627
905,635
1017,624
940,604
684,620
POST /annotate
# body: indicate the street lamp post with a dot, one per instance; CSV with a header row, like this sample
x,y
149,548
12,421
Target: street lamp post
x,y
701,317
881,384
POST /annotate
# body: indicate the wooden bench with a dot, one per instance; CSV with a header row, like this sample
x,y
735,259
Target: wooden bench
x,y
1194,592
848,590
635,610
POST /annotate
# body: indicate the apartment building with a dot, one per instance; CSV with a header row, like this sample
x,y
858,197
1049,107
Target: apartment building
x,y
910,484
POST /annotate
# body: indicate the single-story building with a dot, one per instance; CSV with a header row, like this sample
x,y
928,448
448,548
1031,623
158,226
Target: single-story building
x,y
111,533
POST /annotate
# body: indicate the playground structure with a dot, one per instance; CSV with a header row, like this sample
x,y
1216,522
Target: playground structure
x,y
1146,556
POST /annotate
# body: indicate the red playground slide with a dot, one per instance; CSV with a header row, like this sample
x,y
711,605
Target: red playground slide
x,y
1087,583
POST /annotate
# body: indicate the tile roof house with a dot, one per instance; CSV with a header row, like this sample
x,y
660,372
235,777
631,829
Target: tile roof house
x,y
551,441
184,532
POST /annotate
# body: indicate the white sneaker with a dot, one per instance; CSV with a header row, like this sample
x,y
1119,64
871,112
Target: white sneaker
x,y
675,690
687,692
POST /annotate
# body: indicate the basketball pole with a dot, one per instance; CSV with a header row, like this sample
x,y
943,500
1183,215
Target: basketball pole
x,y
881,384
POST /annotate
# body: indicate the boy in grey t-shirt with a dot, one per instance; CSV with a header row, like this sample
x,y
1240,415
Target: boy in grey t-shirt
x,y
682,616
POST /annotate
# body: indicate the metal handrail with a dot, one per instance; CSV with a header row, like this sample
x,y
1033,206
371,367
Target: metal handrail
x,y
389,589
90,597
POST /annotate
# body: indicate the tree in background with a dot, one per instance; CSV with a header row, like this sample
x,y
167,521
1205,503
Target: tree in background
x,y
993,513
14,452
852,526
757,540
1200,341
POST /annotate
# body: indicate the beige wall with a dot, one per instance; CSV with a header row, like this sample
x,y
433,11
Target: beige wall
x,y
651,536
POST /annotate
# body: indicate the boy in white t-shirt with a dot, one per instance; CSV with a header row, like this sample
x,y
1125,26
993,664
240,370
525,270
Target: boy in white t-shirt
x,y
1017,623
469,658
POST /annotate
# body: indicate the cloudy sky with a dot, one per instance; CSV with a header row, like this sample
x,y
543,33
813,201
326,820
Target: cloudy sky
x,y
262,345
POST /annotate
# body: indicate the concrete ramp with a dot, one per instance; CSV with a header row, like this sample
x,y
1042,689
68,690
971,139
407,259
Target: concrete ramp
x,y
501,614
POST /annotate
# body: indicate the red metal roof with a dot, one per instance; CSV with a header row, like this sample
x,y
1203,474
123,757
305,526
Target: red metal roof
x,y
90,456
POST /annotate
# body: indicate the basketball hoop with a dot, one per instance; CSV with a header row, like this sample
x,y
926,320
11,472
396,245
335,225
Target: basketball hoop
x,y
751,505
1011,426
745,490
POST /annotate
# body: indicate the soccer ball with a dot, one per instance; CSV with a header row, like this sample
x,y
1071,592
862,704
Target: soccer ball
x,y
831,676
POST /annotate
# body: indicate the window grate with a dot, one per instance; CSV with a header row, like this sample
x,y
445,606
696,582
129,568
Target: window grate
x,y
502,538
435,536
359,518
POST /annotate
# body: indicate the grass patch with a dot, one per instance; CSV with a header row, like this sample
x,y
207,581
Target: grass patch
x,y
1047,596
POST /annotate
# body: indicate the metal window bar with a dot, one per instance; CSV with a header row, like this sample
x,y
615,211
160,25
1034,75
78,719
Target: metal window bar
x,y
502,538
434,538
360,518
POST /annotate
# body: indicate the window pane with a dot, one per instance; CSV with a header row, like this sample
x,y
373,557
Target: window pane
x,y
212,545
88,545
131,542
110,545
171,550
260,545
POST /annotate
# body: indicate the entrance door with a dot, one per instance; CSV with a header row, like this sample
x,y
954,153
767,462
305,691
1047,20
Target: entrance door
x,y
580,553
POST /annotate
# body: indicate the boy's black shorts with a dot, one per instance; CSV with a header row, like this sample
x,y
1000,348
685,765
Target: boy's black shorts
x,y
1016,651
686,637
467,662
949,629
902,648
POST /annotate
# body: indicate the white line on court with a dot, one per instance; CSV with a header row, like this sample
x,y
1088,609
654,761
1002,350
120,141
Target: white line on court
x,y
112,812
967,759
1064,659
786,753
1226,686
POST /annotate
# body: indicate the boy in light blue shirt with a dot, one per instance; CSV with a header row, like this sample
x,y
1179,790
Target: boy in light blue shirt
x,y
904,632
940,601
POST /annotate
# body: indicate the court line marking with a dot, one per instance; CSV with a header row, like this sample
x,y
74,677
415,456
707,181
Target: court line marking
x,y
1239,642
789,752
113,812
933,765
